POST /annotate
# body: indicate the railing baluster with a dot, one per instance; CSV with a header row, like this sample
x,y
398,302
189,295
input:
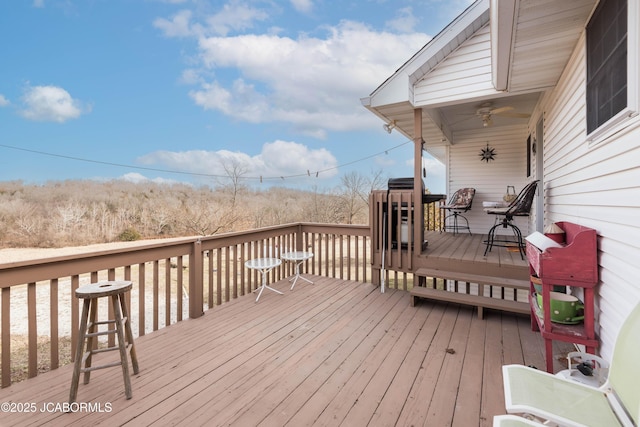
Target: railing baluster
x,y
127,276
234,261
314,248
75,315
33,330
141,298
227,285
54,348
241,259
349,267
319,242
210,271
219,276
156,292
326,252
167,291
338,259
111,340
156,297
180,283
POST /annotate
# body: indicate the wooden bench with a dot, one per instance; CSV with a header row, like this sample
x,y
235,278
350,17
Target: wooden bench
x,y
556,400
481,301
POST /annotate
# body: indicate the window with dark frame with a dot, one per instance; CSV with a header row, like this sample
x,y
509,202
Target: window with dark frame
x,y
606,62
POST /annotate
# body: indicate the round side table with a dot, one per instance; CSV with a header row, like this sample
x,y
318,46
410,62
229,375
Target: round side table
x,y
298,257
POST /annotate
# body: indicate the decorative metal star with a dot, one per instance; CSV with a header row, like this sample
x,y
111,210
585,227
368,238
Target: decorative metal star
x,y
487,154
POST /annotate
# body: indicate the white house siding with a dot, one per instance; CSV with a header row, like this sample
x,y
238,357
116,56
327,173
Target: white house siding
x,y
597,186
465,74
509,167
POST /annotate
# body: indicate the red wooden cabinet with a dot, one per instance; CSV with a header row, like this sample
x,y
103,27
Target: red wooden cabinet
x,y
573,264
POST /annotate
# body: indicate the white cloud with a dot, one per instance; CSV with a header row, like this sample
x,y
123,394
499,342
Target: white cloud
x,y
134,177
313,83
241,101
404,22
233,16
3,101
178,26
138,178
38,3
51,104
304,6
293,158
191,77
277,159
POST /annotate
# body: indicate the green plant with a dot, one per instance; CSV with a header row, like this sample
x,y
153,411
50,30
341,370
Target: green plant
x,y
129,235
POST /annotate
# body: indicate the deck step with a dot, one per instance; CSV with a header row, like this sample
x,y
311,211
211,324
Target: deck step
x,y
473,278
479,301
475,300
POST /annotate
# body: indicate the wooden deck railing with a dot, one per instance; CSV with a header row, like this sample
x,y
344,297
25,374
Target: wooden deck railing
x,y
393,219
172,280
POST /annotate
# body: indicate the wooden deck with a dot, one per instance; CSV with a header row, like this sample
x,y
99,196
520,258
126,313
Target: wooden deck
x,y
464,252
333,353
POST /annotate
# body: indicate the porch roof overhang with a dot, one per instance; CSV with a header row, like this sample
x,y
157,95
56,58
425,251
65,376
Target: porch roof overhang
x,y
530,43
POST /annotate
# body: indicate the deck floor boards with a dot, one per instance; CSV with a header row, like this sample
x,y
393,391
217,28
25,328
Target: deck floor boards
x,y
468,401
465,252
333,353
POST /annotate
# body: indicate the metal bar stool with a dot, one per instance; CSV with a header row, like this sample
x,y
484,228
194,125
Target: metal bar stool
x,y
116,290
459,203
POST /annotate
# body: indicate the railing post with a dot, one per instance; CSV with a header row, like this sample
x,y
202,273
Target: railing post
x,y
418,191
299,240
6,337
196,286
375,234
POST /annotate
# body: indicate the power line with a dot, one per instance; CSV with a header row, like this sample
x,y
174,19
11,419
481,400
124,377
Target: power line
x,y
80,159
261,178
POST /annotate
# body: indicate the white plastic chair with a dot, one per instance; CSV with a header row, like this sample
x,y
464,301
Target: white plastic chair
x,y
565,402
514,421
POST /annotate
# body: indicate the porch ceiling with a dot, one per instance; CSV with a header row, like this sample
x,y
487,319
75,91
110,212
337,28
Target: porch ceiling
x,y
542,34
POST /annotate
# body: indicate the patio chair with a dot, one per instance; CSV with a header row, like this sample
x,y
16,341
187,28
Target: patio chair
x,y
521,206
459,203
558,400
514,421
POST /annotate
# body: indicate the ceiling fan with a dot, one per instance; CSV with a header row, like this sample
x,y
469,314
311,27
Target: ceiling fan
x,y
485,113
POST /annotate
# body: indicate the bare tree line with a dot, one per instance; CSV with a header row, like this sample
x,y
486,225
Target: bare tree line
x,y
80,212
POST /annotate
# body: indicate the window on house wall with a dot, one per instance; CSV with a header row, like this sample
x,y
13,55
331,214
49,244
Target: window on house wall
x,y
606,62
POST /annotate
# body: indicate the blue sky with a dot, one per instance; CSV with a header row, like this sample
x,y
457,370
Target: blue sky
x,y
177,90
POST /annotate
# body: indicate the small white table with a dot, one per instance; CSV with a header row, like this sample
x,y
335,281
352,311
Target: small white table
x,y
298,257
264,265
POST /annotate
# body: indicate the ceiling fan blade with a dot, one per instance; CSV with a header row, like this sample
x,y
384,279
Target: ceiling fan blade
x,y
515,115
500,110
